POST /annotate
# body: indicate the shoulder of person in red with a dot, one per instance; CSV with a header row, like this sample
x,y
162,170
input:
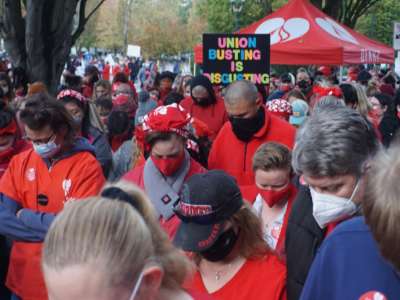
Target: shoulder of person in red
x,y
263,278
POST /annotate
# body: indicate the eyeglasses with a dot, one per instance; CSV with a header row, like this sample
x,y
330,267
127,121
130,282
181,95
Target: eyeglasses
x,y
41,141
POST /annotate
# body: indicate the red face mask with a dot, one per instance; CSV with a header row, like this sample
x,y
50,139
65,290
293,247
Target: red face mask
x,y
168,166
272,197
285,88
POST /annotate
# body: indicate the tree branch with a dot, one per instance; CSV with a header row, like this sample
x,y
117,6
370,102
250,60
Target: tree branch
x,y
83,20
360,9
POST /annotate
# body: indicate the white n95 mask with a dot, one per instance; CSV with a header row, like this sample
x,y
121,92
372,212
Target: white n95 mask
x,y
330,208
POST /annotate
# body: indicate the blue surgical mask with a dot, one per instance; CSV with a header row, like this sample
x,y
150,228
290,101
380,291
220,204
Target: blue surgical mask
x,y
47,150
78,120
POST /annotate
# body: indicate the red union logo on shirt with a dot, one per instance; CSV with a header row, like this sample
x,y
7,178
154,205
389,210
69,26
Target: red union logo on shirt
x,y
373,295
31,174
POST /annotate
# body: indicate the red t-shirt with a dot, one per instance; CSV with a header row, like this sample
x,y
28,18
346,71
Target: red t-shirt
x,y
257,279
75,177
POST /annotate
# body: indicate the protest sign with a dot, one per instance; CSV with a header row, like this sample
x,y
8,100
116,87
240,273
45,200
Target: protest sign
x,y
232,57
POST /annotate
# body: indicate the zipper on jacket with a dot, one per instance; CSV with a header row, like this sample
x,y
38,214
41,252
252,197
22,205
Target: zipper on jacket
x,y
245,157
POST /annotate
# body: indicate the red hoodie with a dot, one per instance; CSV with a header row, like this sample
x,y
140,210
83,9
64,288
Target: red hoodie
x,y
235,157
214,115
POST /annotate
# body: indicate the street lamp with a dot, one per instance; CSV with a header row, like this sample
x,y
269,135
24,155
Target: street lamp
x,y
237,7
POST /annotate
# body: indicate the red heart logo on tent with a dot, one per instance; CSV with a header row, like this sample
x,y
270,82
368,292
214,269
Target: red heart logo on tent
x,y
335,30
282,30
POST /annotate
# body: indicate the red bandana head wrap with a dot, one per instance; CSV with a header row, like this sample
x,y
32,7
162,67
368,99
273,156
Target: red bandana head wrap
x,y
280,108
73,94
170,118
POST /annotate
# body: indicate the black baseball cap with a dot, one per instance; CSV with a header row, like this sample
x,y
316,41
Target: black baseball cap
x,y
207,201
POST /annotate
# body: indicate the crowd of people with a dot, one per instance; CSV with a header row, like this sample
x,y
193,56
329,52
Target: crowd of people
x,y
180,189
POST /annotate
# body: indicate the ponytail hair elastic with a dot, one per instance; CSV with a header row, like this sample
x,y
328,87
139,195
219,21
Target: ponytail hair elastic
x,y
115,193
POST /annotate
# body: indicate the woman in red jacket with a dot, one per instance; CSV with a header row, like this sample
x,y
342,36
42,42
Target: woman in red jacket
x,y
37,184
204,105
233,261
274,190
169,164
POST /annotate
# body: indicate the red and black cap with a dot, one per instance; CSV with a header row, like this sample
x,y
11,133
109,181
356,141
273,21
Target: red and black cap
x,y
207,201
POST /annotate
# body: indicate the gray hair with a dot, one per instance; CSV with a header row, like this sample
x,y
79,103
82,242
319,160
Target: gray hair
x,y
241,90
328,102
334,141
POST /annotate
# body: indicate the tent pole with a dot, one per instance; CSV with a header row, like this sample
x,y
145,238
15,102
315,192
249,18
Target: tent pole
x,y
341,74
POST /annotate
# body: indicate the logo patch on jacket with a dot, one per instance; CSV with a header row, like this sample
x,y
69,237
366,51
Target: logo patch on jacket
x,y
30,174
373,295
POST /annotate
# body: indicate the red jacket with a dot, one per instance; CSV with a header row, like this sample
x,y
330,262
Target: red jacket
x,y
235,157
263,278
136,176
250,194
106,72
6,156
214,115
75,177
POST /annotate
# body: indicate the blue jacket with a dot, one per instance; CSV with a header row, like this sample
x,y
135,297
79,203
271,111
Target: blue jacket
x,y
348,265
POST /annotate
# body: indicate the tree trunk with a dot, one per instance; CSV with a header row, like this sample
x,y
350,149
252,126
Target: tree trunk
x,y
13,31
40,42
333,9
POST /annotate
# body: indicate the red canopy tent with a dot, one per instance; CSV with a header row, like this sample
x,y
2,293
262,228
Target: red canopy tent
x,y
301,34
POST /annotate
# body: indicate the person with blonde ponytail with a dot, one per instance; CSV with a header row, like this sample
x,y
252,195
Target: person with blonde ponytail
x,y
111,247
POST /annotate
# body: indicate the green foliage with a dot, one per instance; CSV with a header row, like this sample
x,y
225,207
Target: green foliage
x,y
221,18
378,22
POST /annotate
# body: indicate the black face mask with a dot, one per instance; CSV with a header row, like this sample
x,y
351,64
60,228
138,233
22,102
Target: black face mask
x,y
204,102
222,247
244,129
304,85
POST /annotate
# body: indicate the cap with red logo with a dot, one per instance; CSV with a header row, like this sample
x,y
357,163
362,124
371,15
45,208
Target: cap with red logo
x,y
207,201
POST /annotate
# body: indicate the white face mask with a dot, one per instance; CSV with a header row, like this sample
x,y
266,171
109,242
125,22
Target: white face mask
x,y
5,90
330,208
137,286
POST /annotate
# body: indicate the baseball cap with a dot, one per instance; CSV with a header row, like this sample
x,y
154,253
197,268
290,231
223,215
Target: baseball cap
x,y
299,112
207,201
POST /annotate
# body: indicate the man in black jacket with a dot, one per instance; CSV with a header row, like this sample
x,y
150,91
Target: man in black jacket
x,y
331,153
